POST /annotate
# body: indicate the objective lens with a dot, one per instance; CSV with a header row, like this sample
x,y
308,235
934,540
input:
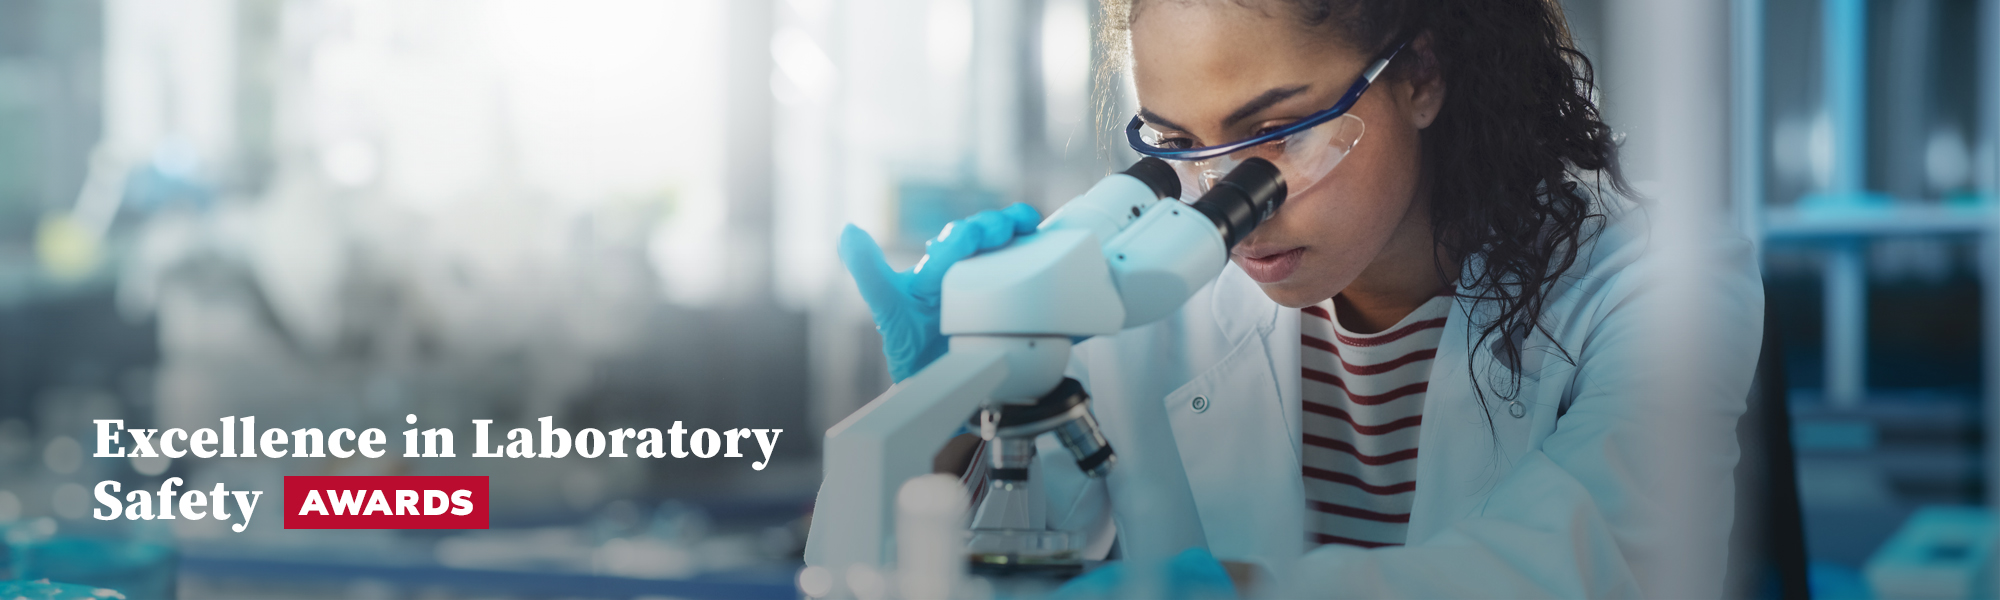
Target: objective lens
x,y
1084,441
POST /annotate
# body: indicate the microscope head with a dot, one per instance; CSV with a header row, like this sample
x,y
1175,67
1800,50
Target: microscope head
x,y
1174,249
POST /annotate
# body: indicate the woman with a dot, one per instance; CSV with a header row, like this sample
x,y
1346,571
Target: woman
x,y
1427,364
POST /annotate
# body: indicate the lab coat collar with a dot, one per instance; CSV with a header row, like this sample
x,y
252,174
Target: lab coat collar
x,y
1240,306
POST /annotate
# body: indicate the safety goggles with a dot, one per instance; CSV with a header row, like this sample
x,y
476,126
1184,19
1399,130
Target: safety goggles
x,y
1304,150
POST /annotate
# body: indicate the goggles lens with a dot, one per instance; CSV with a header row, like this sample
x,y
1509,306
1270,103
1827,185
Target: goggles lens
x,y
1304,157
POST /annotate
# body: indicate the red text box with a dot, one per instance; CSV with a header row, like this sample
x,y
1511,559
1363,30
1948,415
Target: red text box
x,y
385,502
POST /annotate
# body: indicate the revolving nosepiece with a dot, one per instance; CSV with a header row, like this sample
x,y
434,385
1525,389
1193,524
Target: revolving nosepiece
x,y
1065,411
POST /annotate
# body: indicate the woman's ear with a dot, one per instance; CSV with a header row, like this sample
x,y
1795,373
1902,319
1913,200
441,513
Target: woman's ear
x,y
1426,82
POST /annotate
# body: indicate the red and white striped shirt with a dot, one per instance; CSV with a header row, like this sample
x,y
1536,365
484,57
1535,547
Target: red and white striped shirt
x,y
1364,401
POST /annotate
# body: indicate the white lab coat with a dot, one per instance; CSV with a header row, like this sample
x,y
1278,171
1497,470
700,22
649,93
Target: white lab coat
x,y
1551,503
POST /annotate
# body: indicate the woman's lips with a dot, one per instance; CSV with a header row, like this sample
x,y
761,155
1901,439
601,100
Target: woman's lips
x,y
1270,268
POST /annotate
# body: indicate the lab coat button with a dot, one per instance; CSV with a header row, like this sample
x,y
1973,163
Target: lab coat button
x,y
1515,409
1200,403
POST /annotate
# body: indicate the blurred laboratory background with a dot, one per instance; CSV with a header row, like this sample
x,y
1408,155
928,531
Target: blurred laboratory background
x,y
622,213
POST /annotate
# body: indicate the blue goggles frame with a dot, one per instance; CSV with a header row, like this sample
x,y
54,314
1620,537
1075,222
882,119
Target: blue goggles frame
x,y
1338,109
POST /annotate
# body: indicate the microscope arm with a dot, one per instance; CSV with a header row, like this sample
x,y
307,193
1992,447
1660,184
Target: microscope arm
x,y
891,439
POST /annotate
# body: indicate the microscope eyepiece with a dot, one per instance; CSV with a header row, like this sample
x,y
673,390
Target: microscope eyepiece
x,y
1243,199
1157,174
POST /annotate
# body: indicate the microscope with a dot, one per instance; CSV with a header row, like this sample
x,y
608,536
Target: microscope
x,y
1126,253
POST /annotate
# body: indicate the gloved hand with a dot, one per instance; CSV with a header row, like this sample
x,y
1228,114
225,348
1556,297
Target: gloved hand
x,y
905,304
1194,573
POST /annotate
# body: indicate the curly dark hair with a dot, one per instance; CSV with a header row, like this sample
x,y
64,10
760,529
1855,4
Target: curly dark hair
x,y
1517,134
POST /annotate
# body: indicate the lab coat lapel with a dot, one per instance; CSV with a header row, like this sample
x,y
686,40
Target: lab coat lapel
x,y
1443,438
1239,441
1467,446
1242,310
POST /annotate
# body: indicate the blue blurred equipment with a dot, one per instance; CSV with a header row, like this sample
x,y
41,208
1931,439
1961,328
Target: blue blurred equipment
x,y
906,304
1940,552
42,589
1194,573
138,570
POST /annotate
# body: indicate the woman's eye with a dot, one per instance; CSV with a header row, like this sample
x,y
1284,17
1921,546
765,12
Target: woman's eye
x,y
1267,130
1176,143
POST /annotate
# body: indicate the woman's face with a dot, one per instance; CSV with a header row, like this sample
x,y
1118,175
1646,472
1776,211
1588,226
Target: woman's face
x,y
1217,72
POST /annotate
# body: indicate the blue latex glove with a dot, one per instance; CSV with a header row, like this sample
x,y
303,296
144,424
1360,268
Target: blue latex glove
x,y
1192,574
905,304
